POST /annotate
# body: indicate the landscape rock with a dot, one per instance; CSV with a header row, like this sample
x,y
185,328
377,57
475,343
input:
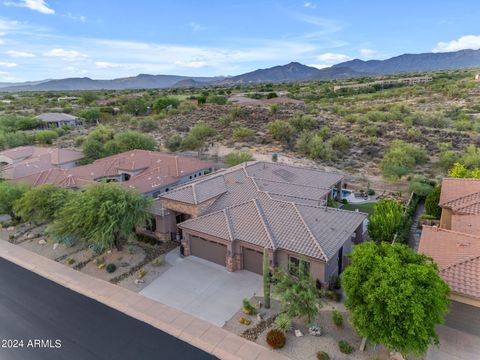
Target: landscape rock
x,y
298,333
138,281
315,330
42,242
55,246
10,228
259,317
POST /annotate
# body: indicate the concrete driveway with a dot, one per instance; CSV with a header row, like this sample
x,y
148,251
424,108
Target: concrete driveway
x,y
202,289
455,345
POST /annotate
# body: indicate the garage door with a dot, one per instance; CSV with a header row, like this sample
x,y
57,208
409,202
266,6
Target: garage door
x,y
208,250
464,317
252,260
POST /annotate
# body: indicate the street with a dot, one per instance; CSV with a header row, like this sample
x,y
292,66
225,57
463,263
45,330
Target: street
x,y
40,319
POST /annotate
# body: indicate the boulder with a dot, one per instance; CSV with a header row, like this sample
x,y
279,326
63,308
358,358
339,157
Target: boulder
x,y
42,242
259,317
55,246
138,281
10,228
298,333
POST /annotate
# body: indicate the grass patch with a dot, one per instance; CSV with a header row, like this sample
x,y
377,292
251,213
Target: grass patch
x,y
365,207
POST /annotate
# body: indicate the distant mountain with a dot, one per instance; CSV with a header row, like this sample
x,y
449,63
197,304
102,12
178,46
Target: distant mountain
x,y
415,62
10,84
293,71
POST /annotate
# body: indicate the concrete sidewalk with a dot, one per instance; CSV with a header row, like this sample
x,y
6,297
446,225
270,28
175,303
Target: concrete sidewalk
x,y
196,332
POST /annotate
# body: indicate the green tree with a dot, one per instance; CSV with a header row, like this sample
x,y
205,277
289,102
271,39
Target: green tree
x,y
460,171
386,220
297,292
281,130
164,103
421,186
91,116
266,279
39,204
236,158
400,159
431,203
395,296
136,107
9,194
103,216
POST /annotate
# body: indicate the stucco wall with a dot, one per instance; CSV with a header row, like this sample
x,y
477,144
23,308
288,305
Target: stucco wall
x,y
446,219
317,268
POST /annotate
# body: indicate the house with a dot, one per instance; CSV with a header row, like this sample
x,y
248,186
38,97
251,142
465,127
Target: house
x,y
455,246
58,120
149,172
230,218
24,161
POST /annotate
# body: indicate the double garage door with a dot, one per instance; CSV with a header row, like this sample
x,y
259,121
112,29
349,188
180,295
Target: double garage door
x,y
208,250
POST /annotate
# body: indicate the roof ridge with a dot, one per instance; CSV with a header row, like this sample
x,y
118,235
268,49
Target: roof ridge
x,y
460,262
300,167
264,222
436,228
309,231
469,203
194,192
229,225
289,183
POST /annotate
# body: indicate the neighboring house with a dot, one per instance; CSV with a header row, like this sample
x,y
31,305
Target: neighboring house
x,y
455,247
23,161
149,172
58,120
231,216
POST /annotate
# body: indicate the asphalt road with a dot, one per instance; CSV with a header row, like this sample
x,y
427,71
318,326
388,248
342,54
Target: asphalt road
x,y
34,308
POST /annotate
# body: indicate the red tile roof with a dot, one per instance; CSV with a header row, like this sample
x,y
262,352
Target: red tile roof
x,y
454,188
457,255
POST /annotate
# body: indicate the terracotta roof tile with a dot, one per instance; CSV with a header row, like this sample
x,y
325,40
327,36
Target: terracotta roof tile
x,y
454,188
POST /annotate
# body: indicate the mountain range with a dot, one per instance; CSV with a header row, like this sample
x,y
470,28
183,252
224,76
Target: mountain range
x,y
294,71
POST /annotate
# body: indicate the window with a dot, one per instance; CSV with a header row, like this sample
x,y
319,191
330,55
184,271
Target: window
x,y
294,265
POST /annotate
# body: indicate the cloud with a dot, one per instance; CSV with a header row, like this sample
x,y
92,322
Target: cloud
x,y
35,5
19,54
319,66
368,52
68,55
192,64
464,42
196,27
310,5
8,64
333,58
8,25
80,18
107,65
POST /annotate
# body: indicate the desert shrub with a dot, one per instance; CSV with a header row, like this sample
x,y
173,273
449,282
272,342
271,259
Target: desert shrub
x,y
345,347
165,103
283,322
302,122
202,131
248,308
244,321
281,130
337,318
276,339
217,99
174,142
147,125
136,107
400,159
340,142
243,133
471,157
322,355
225,120
110,268
421,186
190,142
129,140
318,148
91,116
46,136
236,158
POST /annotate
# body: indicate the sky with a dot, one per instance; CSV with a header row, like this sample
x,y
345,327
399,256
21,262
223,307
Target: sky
x,y
105,39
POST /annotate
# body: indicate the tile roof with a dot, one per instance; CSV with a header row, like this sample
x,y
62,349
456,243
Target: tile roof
x,y
57,156
454,188
54,117
272,213
465,205
457,255
149,170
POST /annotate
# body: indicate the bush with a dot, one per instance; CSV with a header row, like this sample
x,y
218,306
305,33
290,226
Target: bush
x,y
400,159
233,159
337,318
111,268
322,355
276,339
164,103
202,131
334,295
174,142
46,137
345,347
243,133
431,203
147,125
283,322
244,321
248,308
281,130
370,192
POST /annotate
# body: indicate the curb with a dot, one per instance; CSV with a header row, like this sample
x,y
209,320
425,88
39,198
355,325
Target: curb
x,y
199,333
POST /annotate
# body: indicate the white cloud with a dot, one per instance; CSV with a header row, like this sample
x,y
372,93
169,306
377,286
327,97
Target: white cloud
x,y
192,64
333,58
35,5
368,52
8,25
77,18
107,65
8,64
464,42
319,66
196,27
310,5
19,54
68,55
2,42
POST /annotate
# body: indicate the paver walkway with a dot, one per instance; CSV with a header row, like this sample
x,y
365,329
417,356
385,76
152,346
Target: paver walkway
x,y
196,332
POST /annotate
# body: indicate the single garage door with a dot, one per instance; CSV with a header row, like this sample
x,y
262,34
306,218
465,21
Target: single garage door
x,y
464,317
252,260
208,250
